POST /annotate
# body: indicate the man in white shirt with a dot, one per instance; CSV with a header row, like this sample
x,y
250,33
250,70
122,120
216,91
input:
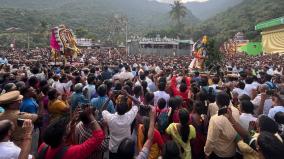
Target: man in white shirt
x,y
267,103
119,123
247,114
125,75
62,86
240,89
275,110
8,150
249,87
161,93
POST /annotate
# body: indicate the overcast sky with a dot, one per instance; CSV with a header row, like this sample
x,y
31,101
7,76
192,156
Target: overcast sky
x,y
184,1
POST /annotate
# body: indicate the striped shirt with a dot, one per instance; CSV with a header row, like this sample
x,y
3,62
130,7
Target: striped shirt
x,y
84,132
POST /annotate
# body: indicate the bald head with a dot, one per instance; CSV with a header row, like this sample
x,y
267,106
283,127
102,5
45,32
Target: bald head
x,y
5,126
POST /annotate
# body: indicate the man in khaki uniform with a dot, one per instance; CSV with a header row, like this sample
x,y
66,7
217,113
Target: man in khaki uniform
x,y
11,102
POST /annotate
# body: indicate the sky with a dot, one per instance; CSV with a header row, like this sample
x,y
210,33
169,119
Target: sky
x,y
184,1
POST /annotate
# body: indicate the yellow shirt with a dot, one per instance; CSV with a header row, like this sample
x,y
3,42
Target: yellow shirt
x,y
247,151
173,131
56,108
154,150
221,137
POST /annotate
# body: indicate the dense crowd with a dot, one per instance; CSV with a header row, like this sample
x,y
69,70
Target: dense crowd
x,y
107,104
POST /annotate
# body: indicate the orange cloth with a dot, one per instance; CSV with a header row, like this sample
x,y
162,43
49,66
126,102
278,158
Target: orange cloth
x,y
157,142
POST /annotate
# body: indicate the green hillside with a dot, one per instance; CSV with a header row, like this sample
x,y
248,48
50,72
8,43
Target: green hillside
x,y
94,16
242,17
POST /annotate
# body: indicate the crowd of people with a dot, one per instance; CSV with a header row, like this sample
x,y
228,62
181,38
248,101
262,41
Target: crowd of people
x,y
107,104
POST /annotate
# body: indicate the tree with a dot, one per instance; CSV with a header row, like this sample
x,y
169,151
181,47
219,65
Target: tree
x,y
177,13
214,55
81,32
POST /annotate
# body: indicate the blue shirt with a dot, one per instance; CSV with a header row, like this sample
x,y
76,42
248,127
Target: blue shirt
x,y
29,105
274,111
98,103
77,99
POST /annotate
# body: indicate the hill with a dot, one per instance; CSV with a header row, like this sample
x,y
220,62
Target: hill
x,y
208,9
242,17
92,13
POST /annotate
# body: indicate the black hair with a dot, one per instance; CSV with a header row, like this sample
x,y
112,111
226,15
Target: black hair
x,y
45,89
196,73
117,86
241,85
199,107
62,79
129,83
83,116
270,146
243,74
203,81
128,89
102,90
142,76
55,132
126,149
244,97
122,107
77,79
149,97
249,80
43,83
146,124
162,103
247,106
137,90
222,99
171,150
215,80
33,81
267,124
179,101
127,68
52,94
268,77
24,90
163,80
146,73
144,85
279,117
183,87
108,83
35,70
91,79
4,129
173,104
162,86
184,129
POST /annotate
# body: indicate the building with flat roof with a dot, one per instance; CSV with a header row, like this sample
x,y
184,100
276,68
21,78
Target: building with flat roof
x,y
160,46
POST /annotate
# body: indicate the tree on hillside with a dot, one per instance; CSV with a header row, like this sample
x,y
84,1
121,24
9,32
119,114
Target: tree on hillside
x,y
81,32
177,13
